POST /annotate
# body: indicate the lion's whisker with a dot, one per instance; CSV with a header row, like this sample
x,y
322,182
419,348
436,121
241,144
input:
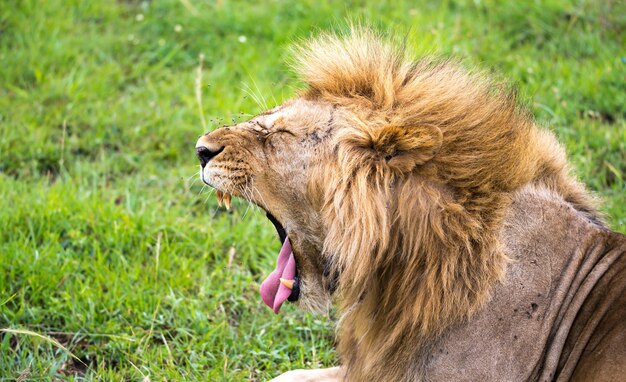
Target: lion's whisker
x,y
204,186
194,175
248,90
248,197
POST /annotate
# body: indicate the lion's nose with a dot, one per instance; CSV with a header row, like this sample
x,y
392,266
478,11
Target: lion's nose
x,y
205,154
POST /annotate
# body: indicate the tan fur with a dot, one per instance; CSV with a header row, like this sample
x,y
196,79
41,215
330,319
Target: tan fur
x,y
421,180
407,184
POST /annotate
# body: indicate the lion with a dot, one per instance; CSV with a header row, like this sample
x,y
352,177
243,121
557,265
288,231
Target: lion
x,y
423,201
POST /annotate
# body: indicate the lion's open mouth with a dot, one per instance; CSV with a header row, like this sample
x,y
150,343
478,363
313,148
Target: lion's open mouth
x,y
283,283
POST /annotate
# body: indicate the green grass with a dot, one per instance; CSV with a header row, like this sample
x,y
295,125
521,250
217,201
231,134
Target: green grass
x,y
110,245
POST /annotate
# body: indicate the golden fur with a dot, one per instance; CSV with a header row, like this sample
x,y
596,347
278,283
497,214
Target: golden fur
x,y
397,175
414,198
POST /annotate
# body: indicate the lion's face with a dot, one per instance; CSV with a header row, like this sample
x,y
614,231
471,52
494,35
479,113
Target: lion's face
x,y
268,160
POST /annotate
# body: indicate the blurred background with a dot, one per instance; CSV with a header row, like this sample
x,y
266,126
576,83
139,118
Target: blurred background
x,y
115,262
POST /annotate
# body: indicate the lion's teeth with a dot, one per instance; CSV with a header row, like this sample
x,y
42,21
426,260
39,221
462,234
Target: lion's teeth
x,y
227,201
223,198
287,283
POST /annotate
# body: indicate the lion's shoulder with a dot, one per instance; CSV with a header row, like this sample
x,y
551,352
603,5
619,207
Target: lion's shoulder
x,y
563,291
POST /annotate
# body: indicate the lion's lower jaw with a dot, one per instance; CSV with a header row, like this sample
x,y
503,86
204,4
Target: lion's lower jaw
x,y
313,298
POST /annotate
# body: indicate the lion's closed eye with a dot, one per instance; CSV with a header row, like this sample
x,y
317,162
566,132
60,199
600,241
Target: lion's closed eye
x,y
280,131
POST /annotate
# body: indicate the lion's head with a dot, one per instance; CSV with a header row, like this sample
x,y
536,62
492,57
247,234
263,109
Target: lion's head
x,y
269,160
387,180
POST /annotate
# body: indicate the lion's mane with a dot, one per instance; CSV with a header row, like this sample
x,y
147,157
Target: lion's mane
x,y
423,168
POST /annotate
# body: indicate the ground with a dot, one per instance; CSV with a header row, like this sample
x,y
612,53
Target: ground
x,y
112,250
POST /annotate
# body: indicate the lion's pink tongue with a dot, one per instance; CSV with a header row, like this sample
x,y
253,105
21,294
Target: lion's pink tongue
x,y
273,292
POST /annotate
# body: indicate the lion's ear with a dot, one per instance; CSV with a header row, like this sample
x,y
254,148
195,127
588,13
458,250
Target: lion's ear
x,y
401,147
